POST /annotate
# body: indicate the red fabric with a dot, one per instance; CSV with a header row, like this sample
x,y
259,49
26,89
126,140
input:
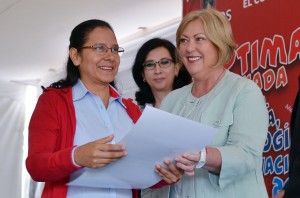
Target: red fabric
x,y
51,134
160,184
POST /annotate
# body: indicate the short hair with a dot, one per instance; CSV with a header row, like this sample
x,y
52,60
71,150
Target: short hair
x,y
217,29
144,94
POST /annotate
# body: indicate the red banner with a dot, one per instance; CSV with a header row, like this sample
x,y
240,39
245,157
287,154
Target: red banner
x,y
268,34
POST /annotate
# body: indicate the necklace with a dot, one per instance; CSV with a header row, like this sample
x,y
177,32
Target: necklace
x,y
201,104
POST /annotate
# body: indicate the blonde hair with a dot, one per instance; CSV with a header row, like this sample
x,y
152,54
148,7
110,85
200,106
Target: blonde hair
x,y
217,29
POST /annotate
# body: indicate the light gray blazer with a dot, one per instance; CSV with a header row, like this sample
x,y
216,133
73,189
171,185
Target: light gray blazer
x,y
237,108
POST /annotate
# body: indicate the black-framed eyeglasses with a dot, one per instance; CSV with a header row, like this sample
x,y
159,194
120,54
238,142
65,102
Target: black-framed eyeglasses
x,y
163,63
101,48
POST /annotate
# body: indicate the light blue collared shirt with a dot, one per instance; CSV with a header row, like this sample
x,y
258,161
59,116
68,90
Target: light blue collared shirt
x,y
93,122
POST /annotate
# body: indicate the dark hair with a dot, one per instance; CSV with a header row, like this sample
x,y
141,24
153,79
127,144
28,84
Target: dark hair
x,y
78,38
144,94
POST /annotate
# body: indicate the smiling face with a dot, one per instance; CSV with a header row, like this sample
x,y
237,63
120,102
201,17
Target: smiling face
x,y
197,52
160,79
97,68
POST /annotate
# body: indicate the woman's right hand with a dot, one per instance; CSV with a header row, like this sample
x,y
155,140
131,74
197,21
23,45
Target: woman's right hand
x,y
98,153
188,162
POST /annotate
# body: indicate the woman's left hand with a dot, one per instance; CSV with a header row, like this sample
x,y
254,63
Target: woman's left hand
x,y
171,175
188,162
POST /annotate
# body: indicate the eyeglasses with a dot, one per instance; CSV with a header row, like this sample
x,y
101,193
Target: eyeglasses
x,y
163,63
101,48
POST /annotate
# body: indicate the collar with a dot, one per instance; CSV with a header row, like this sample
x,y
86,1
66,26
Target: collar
x,y
79,91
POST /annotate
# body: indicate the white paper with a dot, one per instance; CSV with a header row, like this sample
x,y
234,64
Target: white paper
x,y
157,135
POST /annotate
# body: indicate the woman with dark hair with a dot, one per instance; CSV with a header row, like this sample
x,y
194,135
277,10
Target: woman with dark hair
x,y
78,121
157,71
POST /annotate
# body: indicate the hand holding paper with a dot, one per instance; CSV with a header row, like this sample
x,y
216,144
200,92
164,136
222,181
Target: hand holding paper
x,y
188,162
98,153
171,174
156,136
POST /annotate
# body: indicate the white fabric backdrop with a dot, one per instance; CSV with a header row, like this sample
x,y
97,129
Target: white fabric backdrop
x,y
12,108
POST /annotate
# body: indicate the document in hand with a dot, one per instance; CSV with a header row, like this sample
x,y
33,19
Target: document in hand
x,y
157,135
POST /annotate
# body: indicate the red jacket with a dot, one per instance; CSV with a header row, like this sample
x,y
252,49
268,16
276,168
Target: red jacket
x,y
51,134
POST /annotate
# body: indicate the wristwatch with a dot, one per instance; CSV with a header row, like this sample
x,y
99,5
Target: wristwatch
x,y
202,160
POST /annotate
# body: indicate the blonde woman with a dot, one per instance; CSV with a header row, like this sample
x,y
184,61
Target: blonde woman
x,y
231,166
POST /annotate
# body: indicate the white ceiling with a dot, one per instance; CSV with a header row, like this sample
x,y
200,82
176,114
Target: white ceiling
x,y
34,33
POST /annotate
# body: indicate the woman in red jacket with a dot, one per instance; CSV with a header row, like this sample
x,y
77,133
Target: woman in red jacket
x,y
78,121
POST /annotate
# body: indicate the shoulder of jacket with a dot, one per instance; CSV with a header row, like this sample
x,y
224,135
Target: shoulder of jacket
x,y
63,91
54,93
242,82
181,91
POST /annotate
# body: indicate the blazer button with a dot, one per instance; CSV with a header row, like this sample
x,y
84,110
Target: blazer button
x,y
217,122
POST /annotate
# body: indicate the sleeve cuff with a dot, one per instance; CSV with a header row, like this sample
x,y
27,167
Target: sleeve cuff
x,y
202,160
73,150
